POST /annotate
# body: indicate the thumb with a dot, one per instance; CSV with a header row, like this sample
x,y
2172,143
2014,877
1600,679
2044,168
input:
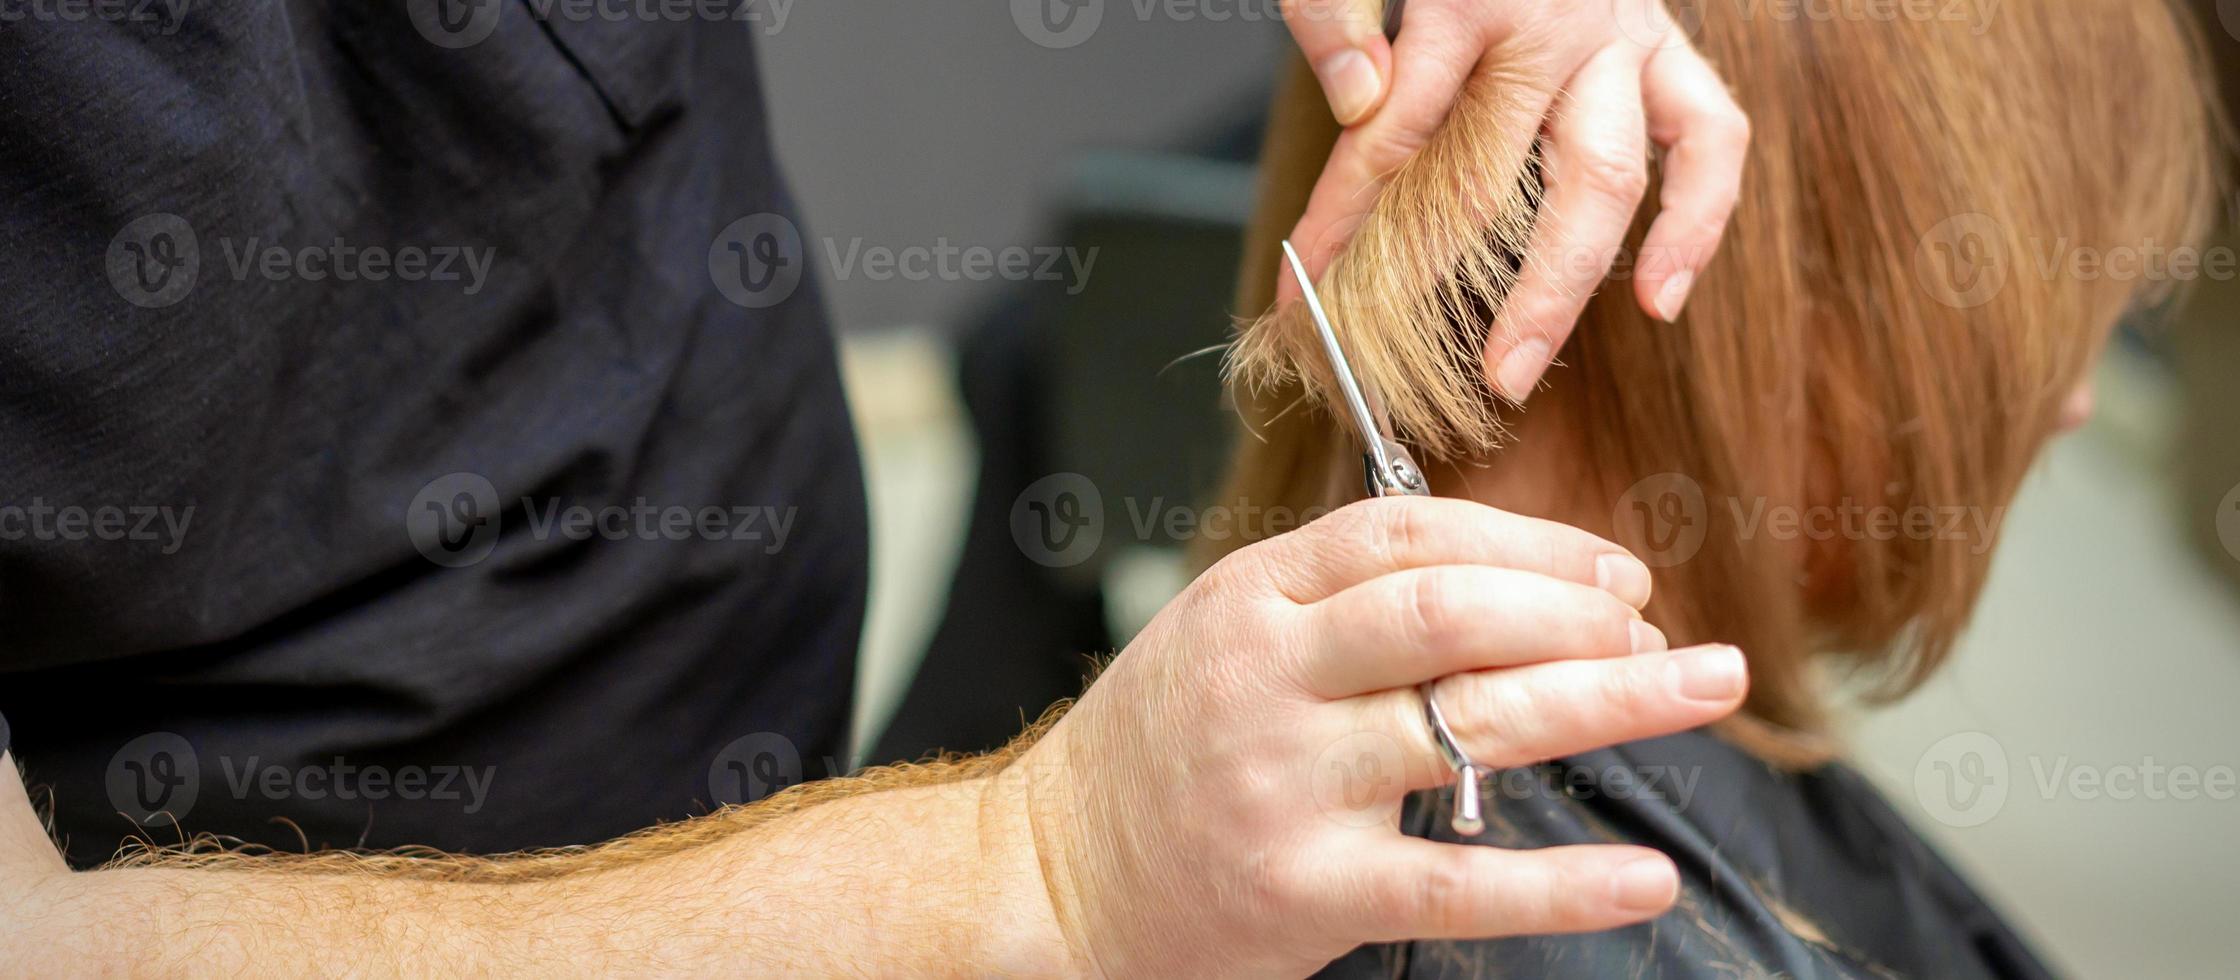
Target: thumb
x,y
1344,42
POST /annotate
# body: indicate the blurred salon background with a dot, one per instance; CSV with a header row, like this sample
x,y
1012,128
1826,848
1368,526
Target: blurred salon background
x,y
1109,145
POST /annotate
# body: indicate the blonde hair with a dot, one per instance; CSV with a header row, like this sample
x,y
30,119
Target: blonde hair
x,y
1830,357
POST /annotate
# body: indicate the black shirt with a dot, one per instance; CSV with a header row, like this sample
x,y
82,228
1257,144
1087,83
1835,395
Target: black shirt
x,y
415,427
1783,874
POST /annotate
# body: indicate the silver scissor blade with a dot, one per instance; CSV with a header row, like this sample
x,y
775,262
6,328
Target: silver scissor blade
x,y
1357,404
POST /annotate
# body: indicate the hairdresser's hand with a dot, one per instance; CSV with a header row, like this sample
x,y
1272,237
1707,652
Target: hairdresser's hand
x,y
1602,79
1224,799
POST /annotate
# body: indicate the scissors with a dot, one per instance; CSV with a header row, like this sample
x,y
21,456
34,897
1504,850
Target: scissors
x,y
1388,471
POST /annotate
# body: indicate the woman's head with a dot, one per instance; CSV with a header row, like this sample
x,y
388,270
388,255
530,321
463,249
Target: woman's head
x,y
1941,222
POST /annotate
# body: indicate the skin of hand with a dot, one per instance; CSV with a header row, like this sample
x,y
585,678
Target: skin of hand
x,y
1222,802
1609,78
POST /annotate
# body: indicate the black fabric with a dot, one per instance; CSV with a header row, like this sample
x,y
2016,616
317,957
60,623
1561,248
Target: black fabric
x,y
595,685
1751,842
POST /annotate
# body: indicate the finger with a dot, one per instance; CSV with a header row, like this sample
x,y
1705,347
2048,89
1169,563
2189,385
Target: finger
x,y
1597,170
1401,888
1344,42
1379,536
1431,61
1707,141
1524,715
1411,626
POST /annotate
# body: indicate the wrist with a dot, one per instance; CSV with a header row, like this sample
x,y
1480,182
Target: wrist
x,y
1031,924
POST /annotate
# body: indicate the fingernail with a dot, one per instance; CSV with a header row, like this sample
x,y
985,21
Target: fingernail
x,y
1714,674
1522,369
1623,576
1647,638
1674,296
1645,884
1350,79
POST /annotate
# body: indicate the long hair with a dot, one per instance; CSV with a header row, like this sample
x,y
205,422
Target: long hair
x,y
1929,251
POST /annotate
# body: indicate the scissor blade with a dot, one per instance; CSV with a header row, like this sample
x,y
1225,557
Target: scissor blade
x,y
1357,404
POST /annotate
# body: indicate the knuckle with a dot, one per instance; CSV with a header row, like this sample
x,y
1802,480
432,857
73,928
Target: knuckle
x,y
1386,147
1228,574
1497,724
1605,632
1434,620
1531,893
1398,527
1632,686
1269,880
1624,176
1443,898
1732,126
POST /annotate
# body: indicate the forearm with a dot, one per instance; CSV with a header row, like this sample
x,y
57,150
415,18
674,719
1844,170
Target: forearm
x,y
918,879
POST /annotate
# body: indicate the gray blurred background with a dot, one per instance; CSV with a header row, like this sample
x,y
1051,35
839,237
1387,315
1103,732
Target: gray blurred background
x,y
2108,640
907,123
